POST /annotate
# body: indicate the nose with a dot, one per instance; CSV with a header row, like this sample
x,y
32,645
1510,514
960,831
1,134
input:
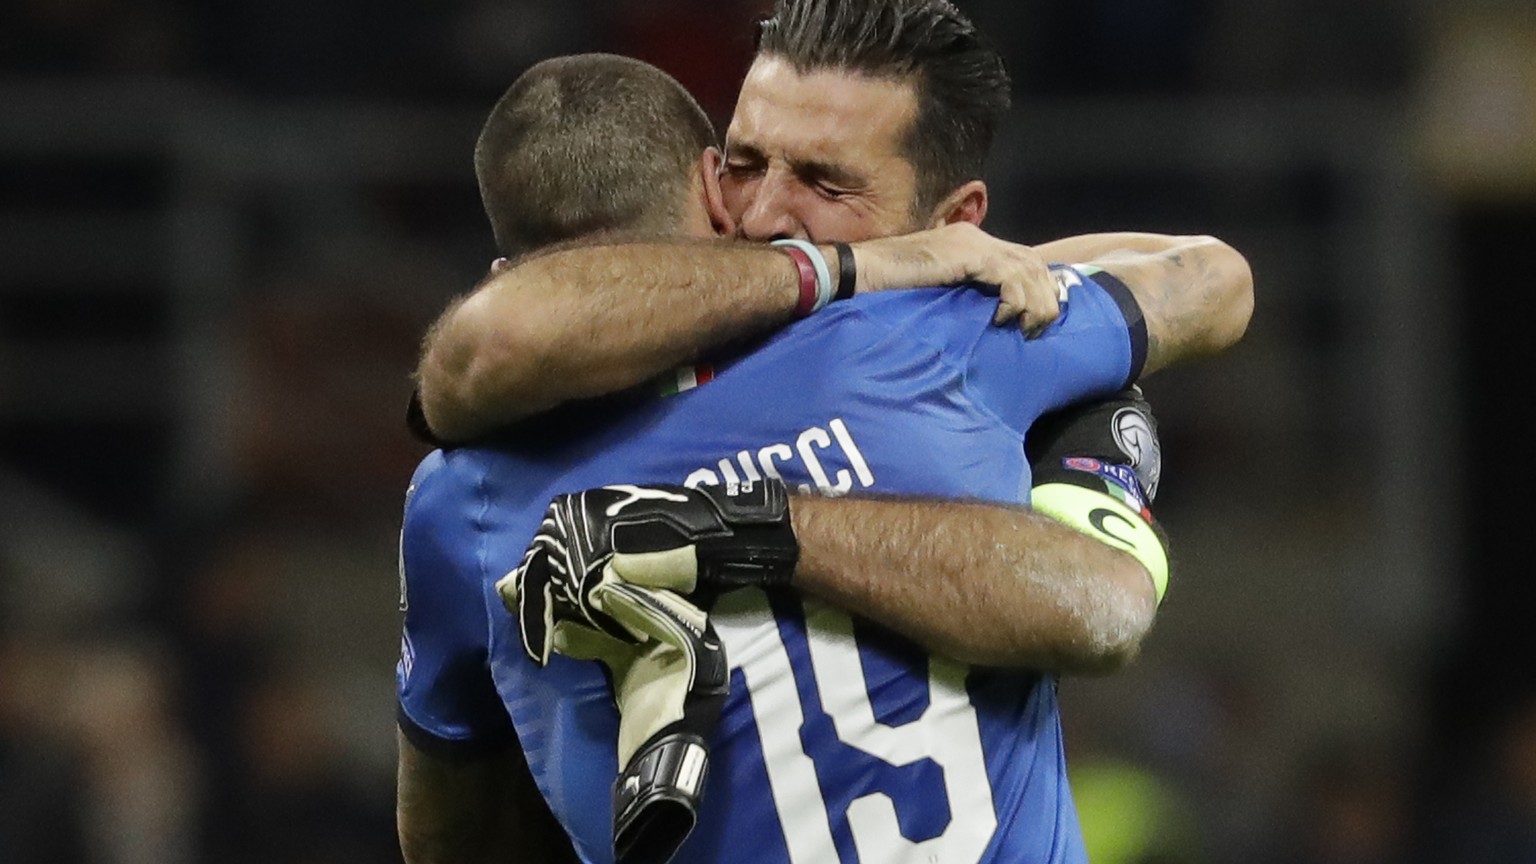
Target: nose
x,y
769,214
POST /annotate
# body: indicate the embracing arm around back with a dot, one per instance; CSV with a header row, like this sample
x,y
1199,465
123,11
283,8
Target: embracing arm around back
x,y
986,584
982,583
589,320
586,320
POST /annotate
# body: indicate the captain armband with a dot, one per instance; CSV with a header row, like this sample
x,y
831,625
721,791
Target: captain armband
x,y
1108,520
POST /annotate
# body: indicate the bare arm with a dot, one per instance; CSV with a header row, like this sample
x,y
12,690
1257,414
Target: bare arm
x,y
590,320
984,584
474,811
583,321
1195,292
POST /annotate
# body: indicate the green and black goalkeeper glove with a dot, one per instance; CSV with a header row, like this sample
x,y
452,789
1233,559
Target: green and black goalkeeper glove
x,y
690,541
603,580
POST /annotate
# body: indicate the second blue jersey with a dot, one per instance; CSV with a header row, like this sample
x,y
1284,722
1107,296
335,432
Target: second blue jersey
x,y
840,741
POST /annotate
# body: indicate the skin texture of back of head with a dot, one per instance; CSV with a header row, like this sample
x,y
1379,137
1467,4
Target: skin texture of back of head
x,y
588,144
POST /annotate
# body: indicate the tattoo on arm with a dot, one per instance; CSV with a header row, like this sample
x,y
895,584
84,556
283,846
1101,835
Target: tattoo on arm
x,y
1196,297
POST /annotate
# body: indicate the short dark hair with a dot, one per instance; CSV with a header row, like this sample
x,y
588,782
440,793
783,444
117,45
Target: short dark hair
x,y
588,144
960,78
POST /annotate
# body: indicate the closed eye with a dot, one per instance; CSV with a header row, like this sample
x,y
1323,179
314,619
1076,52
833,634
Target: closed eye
x,y
831,191
742,166
829,180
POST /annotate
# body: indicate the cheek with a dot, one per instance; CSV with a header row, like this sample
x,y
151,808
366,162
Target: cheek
x,y
826,222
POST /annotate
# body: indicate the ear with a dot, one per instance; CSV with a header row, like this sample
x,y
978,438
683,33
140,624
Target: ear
x,y
710,165
966,204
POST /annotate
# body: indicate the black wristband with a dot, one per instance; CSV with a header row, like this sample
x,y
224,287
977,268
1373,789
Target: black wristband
x,y
847,272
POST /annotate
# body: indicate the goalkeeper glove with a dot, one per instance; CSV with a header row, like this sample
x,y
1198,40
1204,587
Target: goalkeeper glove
x,y
599,582
689,541
669,684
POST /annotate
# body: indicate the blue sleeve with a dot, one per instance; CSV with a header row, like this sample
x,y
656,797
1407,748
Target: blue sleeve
x,y
447,700
1096,347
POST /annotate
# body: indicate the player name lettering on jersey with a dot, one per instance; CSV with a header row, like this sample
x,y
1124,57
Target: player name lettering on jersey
x,y
811,454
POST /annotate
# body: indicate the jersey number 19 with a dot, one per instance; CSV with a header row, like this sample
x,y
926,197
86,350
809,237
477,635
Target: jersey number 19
x,y
946,733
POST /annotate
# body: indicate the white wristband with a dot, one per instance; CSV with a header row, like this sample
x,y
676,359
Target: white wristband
x,y
824,287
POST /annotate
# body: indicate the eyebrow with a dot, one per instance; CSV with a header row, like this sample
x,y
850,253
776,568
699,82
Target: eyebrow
x,y
736,148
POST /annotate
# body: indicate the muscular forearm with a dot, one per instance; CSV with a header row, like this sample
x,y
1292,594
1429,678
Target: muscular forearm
x,y
592,320
983,584
589,320
484,811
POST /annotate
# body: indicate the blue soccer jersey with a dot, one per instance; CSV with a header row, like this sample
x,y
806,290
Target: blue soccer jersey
x,y
840,741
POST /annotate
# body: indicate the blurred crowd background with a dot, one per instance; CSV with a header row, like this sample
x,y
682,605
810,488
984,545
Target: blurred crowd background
x,y
224,227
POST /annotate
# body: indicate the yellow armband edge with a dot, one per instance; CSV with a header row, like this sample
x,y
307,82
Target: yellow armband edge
x,y
1108,520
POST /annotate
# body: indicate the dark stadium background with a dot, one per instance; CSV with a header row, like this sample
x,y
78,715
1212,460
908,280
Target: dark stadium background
x,y
223,227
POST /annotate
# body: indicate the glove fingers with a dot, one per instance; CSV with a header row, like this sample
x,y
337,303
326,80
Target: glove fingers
x,y
650,613
682,641
666,684
535,605
580,642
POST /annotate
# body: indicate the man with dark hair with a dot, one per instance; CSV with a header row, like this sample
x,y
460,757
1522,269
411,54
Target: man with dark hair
x,y
960,81
811,420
